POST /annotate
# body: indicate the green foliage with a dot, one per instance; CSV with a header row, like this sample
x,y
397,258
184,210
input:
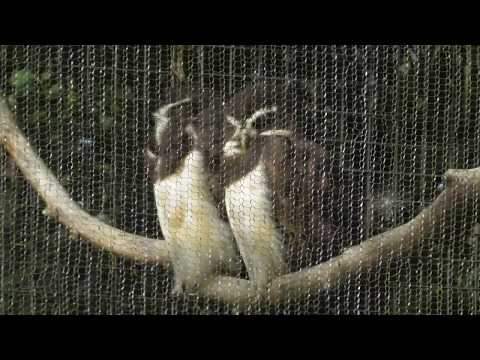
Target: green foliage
x,y
22,80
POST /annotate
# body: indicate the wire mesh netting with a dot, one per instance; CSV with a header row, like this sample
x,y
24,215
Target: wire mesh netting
x,y
352,142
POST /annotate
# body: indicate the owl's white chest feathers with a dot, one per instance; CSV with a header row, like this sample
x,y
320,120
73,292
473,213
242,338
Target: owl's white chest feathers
x,y
202,244
249,208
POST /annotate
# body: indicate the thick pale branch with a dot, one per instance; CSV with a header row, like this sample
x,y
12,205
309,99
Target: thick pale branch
x,y
462,186
60,206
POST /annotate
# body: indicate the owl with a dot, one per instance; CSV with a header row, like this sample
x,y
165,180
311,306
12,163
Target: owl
x,y
201,242
249,203
275,184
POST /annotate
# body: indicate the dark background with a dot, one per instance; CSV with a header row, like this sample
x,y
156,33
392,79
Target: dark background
x,y
394,119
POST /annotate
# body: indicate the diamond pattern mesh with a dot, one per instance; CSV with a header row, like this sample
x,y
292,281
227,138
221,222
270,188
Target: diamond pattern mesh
x,y
392,120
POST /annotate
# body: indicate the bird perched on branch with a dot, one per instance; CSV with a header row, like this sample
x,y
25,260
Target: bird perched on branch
x,y
202,244
260,165
272,179
248,199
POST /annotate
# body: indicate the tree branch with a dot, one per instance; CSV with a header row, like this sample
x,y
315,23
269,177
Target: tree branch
x,y
463,186
60,206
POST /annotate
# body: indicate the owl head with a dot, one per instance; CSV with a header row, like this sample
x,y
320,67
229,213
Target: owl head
x,y
245,133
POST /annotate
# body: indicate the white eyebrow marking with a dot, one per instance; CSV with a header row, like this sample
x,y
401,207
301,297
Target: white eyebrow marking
x,y
277,132
257,114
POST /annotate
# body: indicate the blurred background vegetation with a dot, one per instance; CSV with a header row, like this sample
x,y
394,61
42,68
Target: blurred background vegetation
x,y
394,118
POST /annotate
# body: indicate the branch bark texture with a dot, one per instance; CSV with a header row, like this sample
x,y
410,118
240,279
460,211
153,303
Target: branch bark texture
x,y
60,205
463,186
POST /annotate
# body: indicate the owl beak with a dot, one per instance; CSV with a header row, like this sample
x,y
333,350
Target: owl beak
x,y
232,148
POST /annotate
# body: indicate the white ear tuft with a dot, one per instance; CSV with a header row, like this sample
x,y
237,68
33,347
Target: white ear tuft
x,y
233,121
162,119
259,113
163,111
277,132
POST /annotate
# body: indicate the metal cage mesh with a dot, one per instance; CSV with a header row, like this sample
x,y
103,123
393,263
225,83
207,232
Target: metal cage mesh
x,y
393,119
